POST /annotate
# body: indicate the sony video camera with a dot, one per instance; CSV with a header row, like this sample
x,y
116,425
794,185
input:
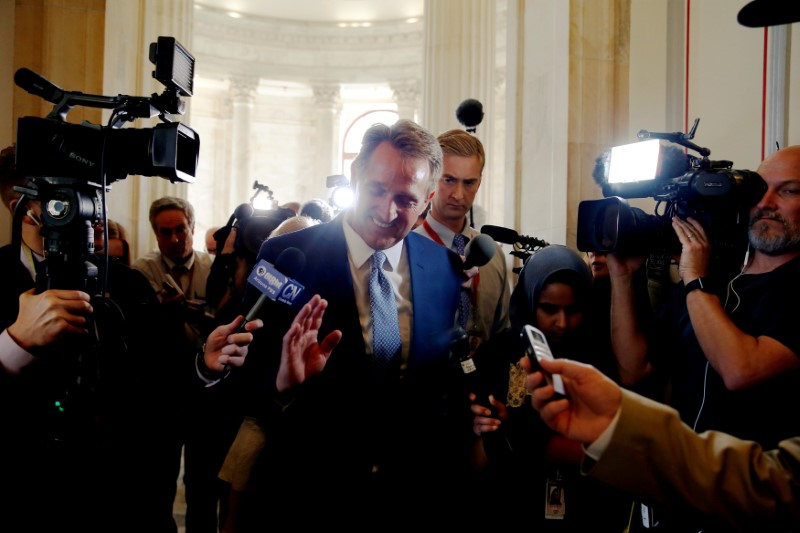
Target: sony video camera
x,y
683,185
52,147
69,166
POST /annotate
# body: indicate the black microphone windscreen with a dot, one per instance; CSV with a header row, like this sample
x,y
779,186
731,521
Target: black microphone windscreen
x,y
501,234
470,112
762,13
479,251
38,85
291,262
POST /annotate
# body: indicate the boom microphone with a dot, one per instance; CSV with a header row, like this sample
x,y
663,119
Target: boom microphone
x,y
509,236
470,113
479,251
273,283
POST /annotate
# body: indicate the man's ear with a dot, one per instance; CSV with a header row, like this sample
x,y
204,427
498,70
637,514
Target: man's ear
x,y
430,196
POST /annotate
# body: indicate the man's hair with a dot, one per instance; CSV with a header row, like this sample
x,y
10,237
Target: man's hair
x,y
317,209
461,143
171,202
9,177
295,223
412,140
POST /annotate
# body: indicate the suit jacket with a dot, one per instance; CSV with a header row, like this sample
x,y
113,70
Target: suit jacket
x,y
654,454
338,428
490,314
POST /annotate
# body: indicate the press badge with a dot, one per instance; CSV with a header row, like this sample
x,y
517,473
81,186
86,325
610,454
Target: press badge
x,y
554,508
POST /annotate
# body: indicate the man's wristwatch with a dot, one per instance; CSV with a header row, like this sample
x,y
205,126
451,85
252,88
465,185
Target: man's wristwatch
x,y
697,284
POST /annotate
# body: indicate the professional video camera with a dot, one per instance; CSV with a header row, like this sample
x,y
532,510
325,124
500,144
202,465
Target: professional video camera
x,y
70,166
712,192
253,224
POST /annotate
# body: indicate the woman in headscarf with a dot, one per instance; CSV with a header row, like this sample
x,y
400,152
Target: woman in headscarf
x,y
534,471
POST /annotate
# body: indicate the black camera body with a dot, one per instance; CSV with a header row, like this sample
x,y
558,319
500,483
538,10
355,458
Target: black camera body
x,y
49,147
712,192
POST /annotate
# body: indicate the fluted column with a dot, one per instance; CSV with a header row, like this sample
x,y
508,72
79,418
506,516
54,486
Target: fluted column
x,y
777,88
328,108
406,96
459,64
130,28
459,59
243,93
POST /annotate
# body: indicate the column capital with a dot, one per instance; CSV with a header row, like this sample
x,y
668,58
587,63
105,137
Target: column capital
x,y
243,87
327,95
406,92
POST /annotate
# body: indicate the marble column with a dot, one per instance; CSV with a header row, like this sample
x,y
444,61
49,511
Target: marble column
x,y
242,98
406,96
127,70
459,64
777,88
328,108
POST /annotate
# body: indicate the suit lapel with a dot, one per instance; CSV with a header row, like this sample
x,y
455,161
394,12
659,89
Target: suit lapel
x,y
431,327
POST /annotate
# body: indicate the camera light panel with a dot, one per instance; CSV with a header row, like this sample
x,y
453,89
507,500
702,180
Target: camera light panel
x,y
634,162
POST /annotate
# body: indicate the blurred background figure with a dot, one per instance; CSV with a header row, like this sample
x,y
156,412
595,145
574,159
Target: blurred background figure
x,y
211,242
597,262
179,274
317,209
118,245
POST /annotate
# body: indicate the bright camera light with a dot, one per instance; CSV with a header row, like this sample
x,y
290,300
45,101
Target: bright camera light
x,y
263,202
634,162
342,197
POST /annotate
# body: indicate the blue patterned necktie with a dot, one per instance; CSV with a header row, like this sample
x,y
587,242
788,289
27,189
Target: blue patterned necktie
x,y
386,342
465,306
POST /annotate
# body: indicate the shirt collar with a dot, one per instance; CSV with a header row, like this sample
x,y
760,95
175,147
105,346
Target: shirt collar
x,y
172,264
361,252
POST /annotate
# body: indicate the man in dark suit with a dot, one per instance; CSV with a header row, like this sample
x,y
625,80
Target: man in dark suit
x,y
396,441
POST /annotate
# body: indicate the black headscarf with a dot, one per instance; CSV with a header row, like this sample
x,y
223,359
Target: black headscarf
x,y
537,272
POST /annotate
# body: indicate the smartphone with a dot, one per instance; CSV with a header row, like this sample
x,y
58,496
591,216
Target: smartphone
x,y
536,348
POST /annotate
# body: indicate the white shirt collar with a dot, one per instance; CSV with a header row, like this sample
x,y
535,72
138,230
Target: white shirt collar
x,y
361,252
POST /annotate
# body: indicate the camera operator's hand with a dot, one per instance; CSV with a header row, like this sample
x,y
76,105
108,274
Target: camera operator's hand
x,y
622,266
49,317
695,248
224,347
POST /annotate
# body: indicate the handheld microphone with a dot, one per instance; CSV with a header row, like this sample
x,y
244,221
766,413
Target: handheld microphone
x,y
38,85
273,284
479,251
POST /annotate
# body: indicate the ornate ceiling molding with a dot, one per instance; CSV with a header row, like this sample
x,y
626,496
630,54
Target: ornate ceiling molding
x,y
305,51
